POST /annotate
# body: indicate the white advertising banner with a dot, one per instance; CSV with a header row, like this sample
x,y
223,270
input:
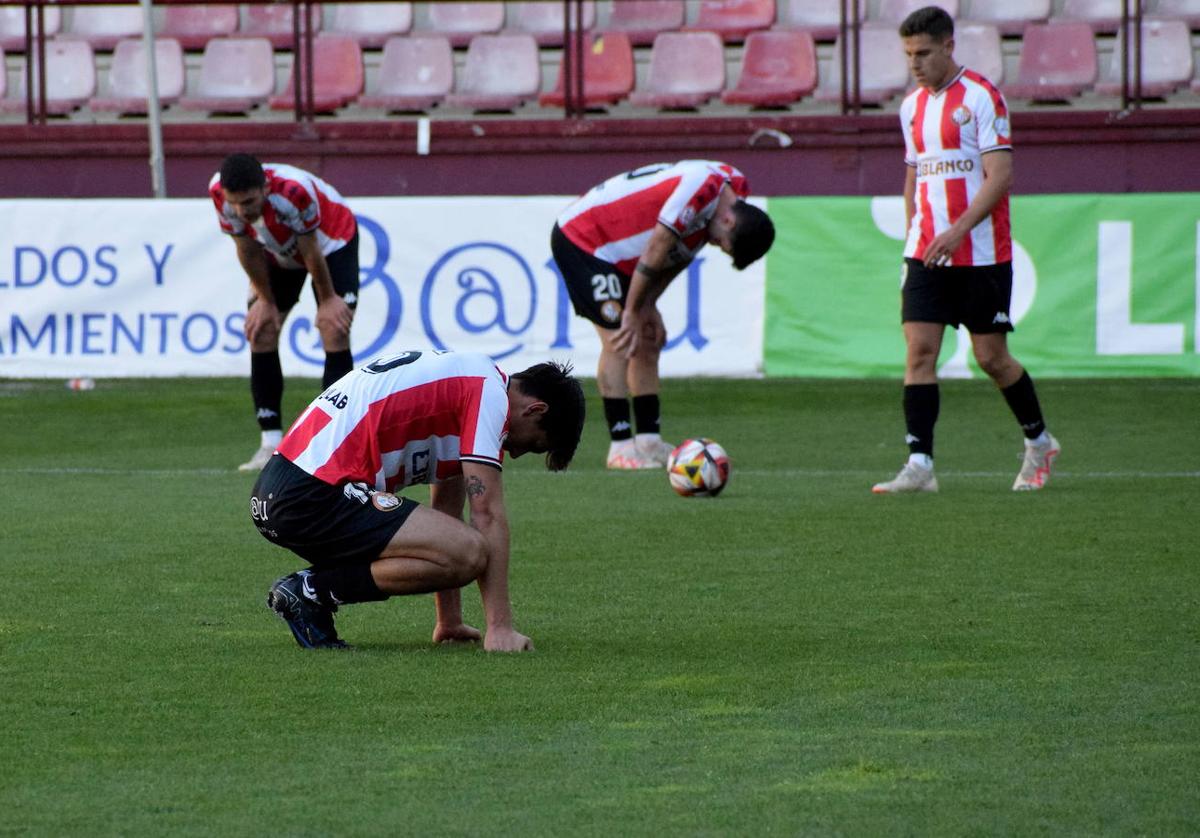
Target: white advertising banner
x,y
100,288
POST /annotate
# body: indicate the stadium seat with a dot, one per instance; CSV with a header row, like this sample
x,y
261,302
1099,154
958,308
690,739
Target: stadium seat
x,y
337,75
608,72
1186,10
820,18
416,73
70,78
686,70
778,68
274,23
371,24
892,12
1103,16
236,74
977,47
642,20
1166,60
1010,16
103,26
1058,62
544,20
460,22
12,26
733,20
128,88
500,74
884,71
195,26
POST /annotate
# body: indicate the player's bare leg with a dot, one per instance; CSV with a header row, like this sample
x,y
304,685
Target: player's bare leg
x,y
923,342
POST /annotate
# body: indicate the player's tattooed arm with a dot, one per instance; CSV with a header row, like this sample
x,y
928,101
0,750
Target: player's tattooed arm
x,y
475,487
652,273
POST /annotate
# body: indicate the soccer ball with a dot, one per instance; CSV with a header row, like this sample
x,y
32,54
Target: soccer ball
x,y
698,468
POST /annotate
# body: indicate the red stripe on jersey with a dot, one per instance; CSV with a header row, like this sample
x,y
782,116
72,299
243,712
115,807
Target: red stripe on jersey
x,y
620,219
918,122
951,132
1001,234
956,204
302,432
466,443
337,220
926,220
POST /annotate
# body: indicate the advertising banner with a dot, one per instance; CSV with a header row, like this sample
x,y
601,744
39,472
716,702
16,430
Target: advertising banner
x,y
1104,285
153,288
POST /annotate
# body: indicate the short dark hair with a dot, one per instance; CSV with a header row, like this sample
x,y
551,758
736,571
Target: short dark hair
x,y
933,21
240,172
753,234
553,384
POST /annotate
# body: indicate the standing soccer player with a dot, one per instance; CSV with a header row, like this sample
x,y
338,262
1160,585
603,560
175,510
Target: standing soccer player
x,y
618,247
287,224
441,418
958,254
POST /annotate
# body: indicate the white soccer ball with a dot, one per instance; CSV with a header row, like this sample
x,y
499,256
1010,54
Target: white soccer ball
x,y
698,468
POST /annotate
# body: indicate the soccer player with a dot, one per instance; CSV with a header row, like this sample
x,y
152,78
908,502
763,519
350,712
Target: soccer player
x,y
286,224
618,247
958,254
417,417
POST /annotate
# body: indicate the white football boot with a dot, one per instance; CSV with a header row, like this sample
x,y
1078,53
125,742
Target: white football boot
x,y
623,455
1035,470
912,478
260,459
652,448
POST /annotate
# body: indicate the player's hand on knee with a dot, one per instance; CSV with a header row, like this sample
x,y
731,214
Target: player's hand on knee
x,y
334,318
461,633
263,321
507,640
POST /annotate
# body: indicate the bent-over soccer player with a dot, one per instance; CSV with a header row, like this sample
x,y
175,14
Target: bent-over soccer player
x,y
442,418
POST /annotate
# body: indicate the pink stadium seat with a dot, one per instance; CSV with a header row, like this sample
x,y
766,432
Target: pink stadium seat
x,y
608,72
274,23
103,26
371,24
236,74
686,70
415,75
642,20
884,71
12,26
460,22
977,47
501,73
1185,10
128,90
1166,60
337,75
544,20
778,68
734,19
1010,16
894,11
70,78
1102,15
195,26
1058,61
821,18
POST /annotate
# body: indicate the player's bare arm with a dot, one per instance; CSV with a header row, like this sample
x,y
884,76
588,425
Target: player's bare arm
x,y
263,321
640,321
997,180
333,315
448,497
910,195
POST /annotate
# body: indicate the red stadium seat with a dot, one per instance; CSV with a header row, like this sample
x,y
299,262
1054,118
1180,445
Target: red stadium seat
x,y
460,22
733,20
236,74
1166,60
103,26
686,70
70,78
977,47
894,11
821,18
608,72
884,71
642,20
1010,16
371,24
1102,15
415,75
337,75
275,24
12,26
128,89
500,74
544,20
1185,10
1058,62
195,26
778,68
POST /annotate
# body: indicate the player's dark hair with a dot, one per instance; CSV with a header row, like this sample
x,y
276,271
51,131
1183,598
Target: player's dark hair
x,y
240,172
553,384
753,234
929,20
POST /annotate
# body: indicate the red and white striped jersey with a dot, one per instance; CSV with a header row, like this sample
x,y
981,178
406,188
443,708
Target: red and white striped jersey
x,y
946,135
297,202
614,220
404,419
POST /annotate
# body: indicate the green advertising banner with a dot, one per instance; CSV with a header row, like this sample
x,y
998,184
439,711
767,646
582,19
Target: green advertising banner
x,y
1103,285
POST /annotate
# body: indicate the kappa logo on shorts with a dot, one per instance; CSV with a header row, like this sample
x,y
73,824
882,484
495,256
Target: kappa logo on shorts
x,y
611,311
1000,317
385,501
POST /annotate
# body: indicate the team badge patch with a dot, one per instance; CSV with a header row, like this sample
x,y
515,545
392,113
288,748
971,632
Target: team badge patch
x,y
385,501
961,115
611,311
1002,126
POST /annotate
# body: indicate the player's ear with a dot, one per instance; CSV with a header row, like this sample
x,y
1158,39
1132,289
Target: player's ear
x,y
536,408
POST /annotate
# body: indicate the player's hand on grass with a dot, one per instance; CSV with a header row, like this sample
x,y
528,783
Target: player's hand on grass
x,y
507,640
461,633
333,317
263,315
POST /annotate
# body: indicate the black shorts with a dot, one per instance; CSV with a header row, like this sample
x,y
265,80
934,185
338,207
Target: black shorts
x,y
976,297
286,283
326,525
596,287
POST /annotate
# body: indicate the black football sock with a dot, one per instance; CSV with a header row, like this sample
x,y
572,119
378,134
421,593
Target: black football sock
x,y
645,413
921,404
1023,402
616,414
344,585
266,388
337,364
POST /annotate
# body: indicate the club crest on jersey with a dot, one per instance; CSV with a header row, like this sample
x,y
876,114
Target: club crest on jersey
x,y
961,115
611,311
385,501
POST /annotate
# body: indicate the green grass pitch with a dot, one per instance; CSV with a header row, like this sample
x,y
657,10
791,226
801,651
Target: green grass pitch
x,y
796,657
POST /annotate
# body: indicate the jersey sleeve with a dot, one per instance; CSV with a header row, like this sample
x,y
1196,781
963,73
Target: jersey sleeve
x,y
295,207
693,198
906,120
991,117
485,422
